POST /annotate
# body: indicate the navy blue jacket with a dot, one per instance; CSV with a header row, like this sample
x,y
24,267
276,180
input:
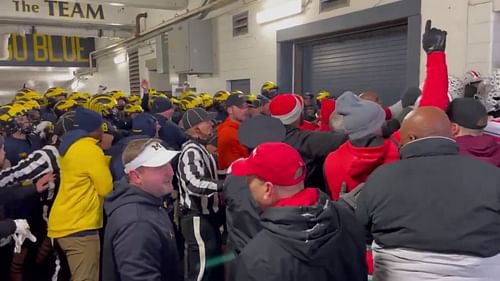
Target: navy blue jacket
x,y
139,240
170,133
116,151
13,194
17,149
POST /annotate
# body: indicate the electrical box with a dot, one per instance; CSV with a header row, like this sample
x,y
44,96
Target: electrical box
x,y
190,47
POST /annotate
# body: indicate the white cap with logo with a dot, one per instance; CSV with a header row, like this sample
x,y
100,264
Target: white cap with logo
x,y
153,155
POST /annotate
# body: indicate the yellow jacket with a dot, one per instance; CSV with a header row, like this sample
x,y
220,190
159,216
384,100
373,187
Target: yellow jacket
x,y
85,180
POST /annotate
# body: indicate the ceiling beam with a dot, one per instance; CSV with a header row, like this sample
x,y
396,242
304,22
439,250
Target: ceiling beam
x,y
147,4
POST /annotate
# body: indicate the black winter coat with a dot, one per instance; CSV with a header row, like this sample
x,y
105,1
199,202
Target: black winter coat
x,y
314,243
139,240
314,146
242,213
434,200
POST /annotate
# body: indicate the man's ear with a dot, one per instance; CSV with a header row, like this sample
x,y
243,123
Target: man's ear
x,y
455,129
268,192
134,177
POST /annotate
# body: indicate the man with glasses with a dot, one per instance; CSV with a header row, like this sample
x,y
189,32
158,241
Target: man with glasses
x,y
228,146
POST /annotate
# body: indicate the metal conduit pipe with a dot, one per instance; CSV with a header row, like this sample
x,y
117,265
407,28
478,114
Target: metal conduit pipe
x,y
138,23
150,34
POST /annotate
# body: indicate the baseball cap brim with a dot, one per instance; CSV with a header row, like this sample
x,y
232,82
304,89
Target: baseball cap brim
x,y
242,167
236,100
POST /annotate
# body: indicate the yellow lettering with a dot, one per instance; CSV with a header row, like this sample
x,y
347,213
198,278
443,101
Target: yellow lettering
x,y
15,48
52,58
10,48
79,50
37,47
65,49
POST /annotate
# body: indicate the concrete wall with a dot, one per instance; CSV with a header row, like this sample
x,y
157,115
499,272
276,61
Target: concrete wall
x,y
470,25
253,56
473,36
114,76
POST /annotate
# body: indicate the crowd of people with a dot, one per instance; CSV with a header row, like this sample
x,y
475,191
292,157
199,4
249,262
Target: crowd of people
x,y
236,186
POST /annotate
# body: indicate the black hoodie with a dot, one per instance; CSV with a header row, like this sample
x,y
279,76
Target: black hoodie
x,y
320,242
139,241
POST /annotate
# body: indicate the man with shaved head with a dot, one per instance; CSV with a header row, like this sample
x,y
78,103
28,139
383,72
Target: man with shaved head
x,y
425,122
435,214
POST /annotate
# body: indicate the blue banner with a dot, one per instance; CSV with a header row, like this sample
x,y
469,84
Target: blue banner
x,y
49,50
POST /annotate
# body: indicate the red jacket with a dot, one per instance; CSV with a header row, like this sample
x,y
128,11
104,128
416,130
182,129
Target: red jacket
x,y
352,165
435,90
228,145
327,108
308,126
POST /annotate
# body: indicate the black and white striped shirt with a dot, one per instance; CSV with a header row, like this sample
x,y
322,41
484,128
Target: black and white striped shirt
x,y
198,179
37,164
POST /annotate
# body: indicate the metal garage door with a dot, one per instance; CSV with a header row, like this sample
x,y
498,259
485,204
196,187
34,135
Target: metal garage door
x,y
373,60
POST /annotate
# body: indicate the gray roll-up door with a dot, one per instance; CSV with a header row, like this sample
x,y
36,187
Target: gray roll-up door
x,y
372,60
241,85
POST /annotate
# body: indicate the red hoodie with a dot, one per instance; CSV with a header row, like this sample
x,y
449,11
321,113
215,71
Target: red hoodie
x,y
352,165
308,126
327,108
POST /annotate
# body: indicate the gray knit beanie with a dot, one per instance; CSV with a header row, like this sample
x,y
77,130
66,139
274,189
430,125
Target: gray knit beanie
x,y
361,117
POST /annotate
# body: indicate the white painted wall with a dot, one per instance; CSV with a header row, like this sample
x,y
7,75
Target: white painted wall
x,y
470,25
473,36
253,56
114,76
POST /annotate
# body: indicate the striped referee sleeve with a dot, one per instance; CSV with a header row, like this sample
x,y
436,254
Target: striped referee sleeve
x,y
192,174
35,165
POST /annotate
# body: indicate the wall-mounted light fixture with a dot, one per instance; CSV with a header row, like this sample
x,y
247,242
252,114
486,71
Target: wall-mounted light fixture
x,y
120,58
286,9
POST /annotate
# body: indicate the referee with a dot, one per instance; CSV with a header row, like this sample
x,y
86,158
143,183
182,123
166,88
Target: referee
x,y
199,188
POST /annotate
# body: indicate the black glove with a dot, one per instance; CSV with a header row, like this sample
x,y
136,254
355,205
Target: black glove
x,y
390,127
410,96
433,39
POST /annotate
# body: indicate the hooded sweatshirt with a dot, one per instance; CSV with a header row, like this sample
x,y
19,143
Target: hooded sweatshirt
x,y
139,241
484,147
228,146
351,165
85,180
326,110
318,242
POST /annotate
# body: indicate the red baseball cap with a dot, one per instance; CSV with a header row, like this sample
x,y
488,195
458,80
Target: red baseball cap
x,y
273,162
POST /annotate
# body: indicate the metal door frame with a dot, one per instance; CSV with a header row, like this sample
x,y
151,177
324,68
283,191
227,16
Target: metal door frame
x,y
291,40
